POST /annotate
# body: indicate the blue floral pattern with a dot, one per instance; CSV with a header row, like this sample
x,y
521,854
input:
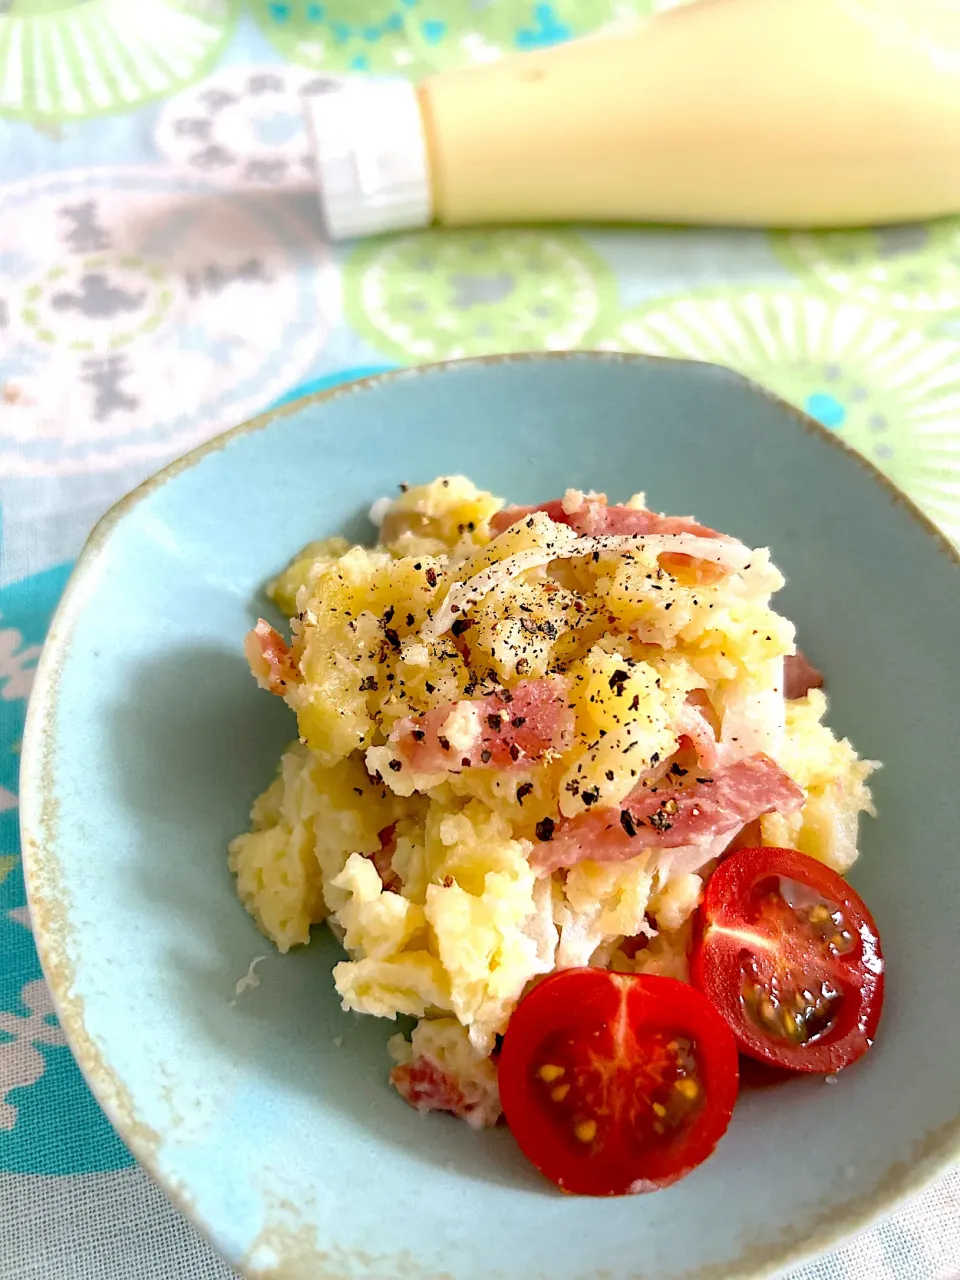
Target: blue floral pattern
x,y
49,1120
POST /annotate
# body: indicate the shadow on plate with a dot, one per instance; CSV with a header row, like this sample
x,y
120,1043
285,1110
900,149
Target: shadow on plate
x,y
188,768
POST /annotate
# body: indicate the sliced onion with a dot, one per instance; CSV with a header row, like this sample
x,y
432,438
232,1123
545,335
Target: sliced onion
x,y
462,596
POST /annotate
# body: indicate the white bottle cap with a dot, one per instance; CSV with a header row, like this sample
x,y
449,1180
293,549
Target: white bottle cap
x,y
371,157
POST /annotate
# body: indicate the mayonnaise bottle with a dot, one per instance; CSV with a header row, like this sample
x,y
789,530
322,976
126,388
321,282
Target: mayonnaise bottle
x,y
748,112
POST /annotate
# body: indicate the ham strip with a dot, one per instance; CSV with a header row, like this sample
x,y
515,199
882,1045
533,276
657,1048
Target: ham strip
x,y
593,519
510,515
425,1085
696,811
270,659
512,729
383,859
799,676
695,725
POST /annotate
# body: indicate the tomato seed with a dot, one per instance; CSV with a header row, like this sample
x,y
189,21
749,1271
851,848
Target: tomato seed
x,y
550,1072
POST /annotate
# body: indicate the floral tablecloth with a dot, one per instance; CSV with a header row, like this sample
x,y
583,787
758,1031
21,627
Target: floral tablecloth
x,y
163,275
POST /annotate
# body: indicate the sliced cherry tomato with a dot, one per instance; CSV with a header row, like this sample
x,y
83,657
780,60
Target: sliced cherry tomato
x,y
790,956
616,1083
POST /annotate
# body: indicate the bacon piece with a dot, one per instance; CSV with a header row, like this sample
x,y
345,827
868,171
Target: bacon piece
x,y
383,859
515,728
427,1087
636,520
510,515
799,676
594,519
698,812
696,723
270,659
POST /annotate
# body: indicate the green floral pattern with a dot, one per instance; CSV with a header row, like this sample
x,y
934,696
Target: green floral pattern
x,y
885,388
412,37
912,268
72,59
440,295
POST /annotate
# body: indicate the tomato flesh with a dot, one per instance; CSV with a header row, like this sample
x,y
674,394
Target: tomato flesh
x,y
616,1083
790,956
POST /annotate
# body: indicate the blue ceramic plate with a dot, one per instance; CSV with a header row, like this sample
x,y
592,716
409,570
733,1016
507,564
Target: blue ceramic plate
x,y
267,1116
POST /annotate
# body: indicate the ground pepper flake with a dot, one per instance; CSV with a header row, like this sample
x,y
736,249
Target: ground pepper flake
x,y
523,791
545,828
432,577
617,681
627,822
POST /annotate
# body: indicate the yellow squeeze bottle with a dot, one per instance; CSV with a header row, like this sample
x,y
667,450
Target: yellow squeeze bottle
x,y
747,112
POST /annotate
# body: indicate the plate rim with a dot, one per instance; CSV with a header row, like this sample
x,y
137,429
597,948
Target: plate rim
x,y
50,908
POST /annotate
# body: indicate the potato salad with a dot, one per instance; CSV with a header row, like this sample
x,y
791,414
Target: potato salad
x,y
525,738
